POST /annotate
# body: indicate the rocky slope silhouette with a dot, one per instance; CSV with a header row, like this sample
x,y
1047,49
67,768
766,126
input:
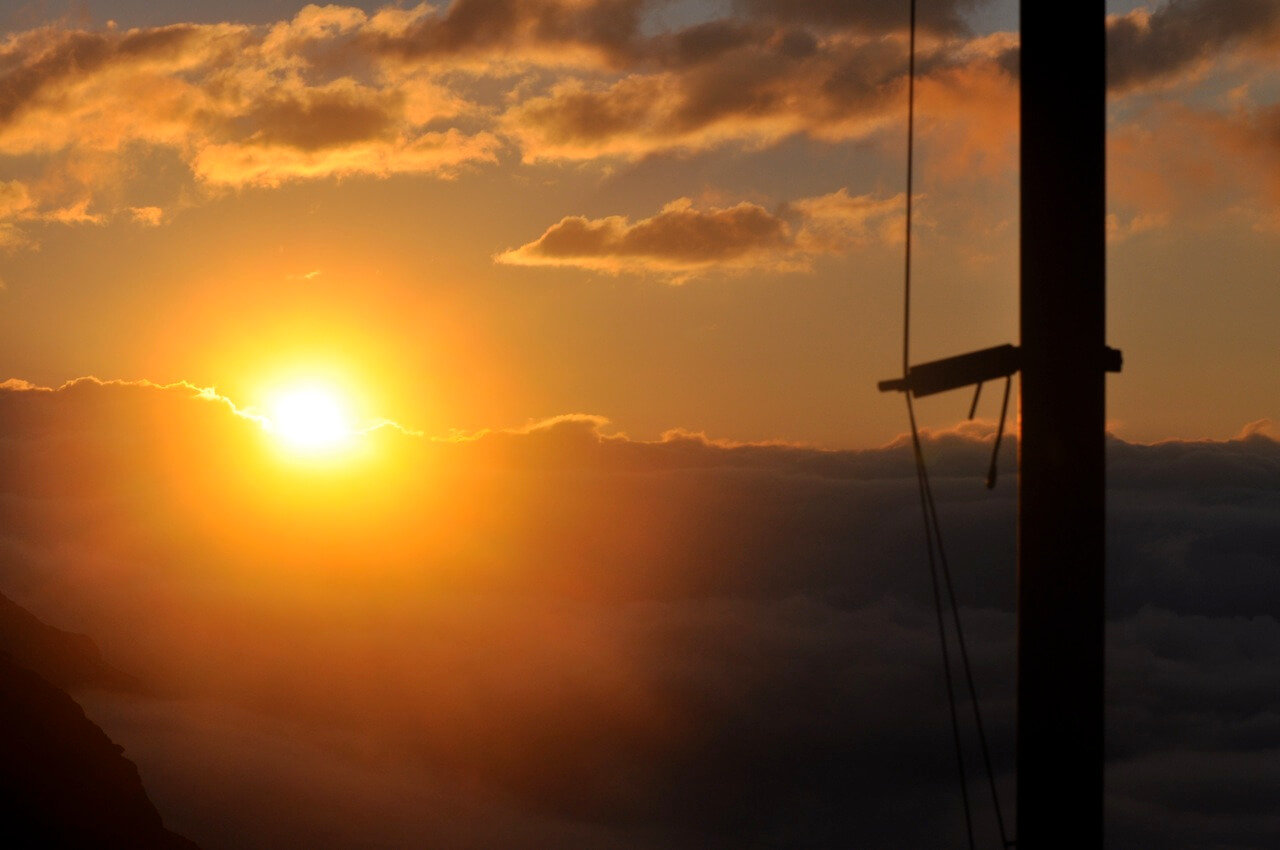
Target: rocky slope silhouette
x,y
63,782
64,659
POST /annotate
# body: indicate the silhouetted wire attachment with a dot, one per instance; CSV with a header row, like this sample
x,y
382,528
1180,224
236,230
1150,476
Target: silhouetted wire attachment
x,y
951,373
976,368
1004,412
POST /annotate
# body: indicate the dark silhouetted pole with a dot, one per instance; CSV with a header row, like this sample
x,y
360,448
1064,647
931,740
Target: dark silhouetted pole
x,y
1061,475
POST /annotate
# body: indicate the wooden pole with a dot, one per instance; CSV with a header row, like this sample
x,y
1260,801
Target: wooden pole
x,y
1061,527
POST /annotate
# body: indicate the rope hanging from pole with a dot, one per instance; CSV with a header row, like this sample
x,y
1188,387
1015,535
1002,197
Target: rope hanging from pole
x,y
1004,361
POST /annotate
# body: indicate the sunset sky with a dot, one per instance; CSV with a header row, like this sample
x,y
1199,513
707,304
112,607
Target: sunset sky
x,y
462,417
670,214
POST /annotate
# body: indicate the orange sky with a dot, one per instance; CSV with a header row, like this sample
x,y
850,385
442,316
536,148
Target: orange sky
x,y
682,215
594,286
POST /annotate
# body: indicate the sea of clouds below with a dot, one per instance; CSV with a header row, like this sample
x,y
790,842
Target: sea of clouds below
x,y
601,642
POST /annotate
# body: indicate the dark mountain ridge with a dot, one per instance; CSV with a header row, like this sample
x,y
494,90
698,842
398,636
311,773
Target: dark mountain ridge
x,y
65,659
63,782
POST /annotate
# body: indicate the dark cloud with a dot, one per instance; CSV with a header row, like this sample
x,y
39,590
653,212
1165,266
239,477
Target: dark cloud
x,y
554,636
610,28
1145,47
317,120
870,16
1192,730
755,85
39,61
614,29
80,53
705,42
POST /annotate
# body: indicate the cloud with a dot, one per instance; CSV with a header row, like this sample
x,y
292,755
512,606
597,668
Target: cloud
x,y
1177,164
149,216
1181,37
559,635
440,154
678,238
1264,427
239,105
319,119
681,240
1180,41
614,33
13,238
485,31
863,15
1119,231
755,92
15,198
20,209
610,34
99,90
77,213
336,91
1193,733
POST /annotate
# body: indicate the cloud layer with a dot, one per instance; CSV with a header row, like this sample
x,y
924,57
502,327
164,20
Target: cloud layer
x,y
560,636
336,91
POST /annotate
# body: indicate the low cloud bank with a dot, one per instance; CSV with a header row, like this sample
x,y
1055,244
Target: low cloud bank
x,y
561,637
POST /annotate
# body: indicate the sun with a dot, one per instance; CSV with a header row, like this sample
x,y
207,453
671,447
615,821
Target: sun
x,y
311,419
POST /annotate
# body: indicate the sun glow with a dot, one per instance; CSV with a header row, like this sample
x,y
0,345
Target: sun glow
x,y
310,419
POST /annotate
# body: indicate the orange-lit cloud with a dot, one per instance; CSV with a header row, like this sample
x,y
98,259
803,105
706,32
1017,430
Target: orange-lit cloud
x,y
681,240
90,391
337,91
150,216
240,105
1173,163
441,154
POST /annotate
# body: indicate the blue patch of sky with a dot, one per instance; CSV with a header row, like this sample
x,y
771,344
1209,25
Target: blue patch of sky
x,y
983,17
148,13
1120,7
1002,15
993,16
678,14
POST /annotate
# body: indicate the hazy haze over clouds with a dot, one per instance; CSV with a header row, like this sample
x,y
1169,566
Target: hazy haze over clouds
x,y
592,641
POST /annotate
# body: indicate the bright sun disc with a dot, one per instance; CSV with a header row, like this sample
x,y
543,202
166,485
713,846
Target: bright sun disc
x,y
310,419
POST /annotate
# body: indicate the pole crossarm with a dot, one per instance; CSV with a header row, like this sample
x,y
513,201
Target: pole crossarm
x,y
976,367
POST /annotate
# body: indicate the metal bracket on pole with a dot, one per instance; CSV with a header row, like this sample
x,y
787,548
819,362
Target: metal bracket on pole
x,y
952,373
976,367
